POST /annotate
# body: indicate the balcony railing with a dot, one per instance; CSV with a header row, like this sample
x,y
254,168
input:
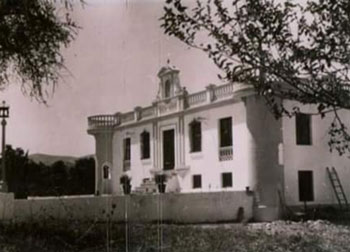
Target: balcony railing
x,y
225,153
164,107
102,121
127,117
197,98
147,112
223,91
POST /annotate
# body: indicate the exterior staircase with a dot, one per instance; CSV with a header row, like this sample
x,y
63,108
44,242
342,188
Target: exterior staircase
x,y
148,186
338,188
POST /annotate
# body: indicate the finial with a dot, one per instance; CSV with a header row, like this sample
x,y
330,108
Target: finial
x,y
168,61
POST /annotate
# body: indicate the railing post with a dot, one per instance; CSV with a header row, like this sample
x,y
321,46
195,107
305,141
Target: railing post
x,y
117,117
137,111
210,93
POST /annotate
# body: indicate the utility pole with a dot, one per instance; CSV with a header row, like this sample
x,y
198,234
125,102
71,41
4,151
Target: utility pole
x,y
4,113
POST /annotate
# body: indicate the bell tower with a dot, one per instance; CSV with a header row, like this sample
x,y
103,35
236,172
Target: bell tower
x,y
169,85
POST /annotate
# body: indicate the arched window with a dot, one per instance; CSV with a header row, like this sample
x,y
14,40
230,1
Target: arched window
x,y
195,136
106,172
145,145
167,89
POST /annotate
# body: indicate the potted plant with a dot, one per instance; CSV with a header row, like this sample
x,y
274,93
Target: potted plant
x,y
125,182
160,181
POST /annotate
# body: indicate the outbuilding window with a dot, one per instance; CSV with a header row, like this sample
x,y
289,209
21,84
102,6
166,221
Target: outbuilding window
x,y
306,186
303,129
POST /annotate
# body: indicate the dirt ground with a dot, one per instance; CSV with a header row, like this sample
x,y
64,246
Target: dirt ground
x,y
277,236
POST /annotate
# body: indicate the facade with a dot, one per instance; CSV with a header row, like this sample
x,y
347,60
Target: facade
x,y
223,138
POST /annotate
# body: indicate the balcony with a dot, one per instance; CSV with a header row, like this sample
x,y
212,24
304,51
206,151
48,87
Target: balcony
x,y
102,122
225,153
182,101
223,91
197,98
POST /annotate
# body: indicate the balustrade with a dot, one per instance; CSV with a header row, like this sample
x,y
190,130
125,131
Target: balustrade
x,y
127,117
101,121
197,98
225,153
147,112
223,91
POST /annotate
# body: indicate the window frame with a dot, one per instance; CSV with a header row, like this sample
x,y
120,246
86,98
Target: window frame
x,y
303,133
167,88
222,140
223,185
196,184
195,136
106,170
127,149
303,196
145,147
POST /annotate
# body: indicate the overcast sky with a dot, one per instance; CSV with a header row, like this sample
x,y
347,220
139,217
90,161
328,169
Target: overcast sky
x,y
114,62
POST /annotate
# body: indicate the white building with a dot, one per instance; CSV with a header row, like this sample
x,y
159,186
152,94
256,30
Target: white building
x,y
221,138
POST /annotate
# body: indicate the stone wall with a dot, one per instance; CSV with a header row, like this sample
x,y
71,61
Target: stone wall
x,y
177,208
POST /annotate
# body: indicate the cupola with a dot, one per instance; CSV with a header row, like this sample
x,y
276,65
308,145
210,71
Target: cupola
x,y
169,85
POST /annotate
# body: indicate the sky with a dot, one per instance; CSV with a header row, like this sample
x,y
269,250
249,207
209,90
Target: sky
x,y
113,65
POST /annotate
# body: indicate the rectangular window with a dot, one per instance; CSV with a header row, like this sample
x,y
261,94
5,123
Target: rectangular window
x,y
303,129
225,132
306,186
168,149
145,145
197,181
195,136
127,154
127,143
226,179
225,139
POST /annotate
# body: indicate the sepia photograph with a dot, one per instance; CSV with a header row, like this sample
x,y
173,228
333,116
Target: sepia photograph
x,y
174,125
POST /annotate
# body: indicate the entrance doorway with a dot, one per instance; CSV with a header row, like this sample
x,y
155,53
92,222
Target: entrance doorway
x,y
306,186
168,149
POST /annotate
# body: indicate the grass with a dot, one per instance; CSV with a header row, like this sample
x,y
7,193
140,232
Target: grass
x,y
278,236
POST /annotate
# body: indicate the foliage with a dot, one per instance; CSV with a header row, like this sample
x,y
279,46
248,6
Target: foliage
x,y
63,236
285,50
125,182
26,178
32,34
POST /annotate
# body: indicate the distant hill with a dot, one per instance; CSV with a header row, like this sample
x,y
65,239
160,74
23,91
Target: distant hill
x,y
50,159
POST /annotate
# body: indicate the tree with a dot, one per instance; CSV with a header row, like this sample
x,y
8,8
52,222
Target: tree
x,y
58,173
82,177
286,51
32,34
16,161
